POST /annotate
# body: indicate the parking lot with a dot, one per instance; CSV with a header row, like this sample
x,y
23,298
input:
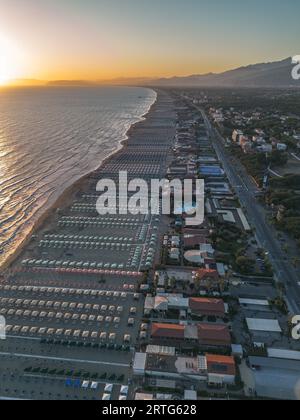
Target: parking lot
x,y
50,378
60,337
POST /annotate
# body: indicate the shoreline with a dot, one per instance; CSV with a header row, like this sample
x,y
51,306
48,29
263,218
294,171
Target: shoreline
x,y
67,195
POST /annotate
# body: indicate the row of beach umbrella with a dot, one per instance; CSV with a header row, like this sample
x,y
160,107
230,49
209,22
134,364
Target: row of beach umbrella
x,y
88,238
84,245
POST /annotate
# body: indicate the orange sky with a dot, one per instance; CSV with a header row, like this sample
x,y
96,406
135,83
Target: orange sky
x,y
106,39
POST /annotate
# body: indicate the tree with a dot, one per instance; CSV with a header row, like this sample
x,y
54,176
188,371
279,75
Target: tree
x,y
245,265
279,158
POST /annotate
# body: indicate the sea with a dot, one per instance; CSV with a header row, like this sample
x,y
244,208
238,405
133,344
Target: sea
x,y
51,137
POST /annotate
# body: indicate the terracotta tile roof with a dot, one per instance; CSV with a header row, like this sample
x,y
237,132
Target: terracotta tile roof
x,y
191,241
208,334
220,364
214,334
203,274
167,331
207,306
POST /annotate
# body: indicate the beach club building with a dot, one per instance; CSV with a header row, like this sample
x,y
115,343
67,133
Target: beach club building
x,y
162,303
191,335
207,307
163,362
208,278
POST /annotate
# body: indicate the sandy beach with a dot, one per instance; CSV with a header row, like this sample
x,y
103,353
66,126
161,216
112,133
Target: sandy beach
x,y
79,278
66,197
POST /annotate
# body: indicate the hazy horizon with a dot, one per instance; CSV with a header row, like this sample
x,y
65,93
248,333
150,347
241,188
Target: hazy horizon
x,y
116,81
107,39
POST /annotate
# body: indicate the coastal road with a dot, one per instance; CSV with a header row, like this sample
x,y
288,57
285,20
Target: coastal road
x,y
266,235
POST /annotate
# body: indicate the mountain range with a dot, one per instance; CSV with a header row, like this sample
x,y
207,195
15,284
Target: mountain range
x,y
274,75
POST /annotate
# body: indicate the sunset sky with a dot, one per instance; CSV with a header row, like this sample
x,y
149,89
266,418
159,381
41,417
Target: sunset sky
x,y
104,39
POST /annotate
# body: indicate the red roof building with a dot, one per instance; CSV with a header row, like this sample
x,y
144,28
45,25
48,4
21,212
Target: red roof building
x,y
208,279
220,365
207,307
168,331
193,241
203,274
214,335
211,335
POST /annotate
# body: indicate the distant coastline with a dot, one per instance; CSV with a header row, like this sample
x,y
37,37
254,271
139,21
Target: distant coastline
x,y
276,74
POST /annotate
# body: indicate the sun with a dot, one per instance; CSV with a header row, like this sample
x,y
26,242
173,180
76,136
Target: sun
x,y
5,74
9,66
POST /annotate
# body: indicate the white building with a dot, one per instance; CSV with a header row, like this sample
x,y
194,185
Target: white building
x,y
282,147
266,148
163,362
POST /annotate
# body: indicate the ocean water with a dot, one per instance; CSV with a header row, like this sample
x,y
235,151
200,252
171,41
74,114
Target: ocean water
x,y
51,137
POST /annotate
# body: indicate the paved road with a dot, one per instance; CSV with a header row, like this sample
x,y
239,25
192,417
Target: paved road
x,y
295,156
63,359
266,235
